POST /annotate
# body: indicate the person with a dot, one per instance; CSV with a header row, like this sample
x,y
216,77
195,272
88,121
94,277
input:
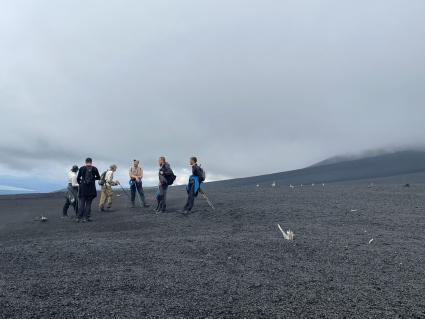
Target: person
x,y
106,193
166,178
136,174
194,184
86,179
71,194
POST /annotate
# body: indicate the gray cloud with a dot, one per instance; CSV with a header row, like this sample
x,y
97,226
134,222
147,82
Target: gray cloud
x,y
250,87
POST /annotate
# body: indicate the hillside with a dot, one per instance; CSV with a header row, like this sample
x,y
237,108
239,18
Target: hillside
x,y
399,163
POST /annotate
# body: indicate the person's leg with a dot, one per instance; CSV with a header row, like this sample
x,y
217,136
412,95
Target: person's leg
x,y
110,195
75,204
66,207
142,194
103,197
82,201
160,197
190,197
88,208
164,198
133,194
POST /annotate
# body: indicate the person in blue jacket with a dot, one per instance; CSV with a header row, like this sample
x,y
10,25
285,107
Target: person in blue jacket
x,y
194,184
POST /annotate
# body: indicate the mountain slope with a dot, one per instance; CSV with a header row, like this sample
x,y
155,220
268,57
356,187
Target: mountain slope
x,y
399,163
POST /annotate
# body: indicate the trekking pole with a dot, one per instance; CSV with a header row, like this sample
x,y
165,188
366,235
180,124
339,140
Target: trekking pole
x,y
139,197
206,198
125,192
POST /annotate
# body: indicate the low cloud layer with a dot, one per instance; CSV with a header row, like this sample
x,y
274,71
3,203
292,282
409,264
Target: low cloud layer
x,y
250,87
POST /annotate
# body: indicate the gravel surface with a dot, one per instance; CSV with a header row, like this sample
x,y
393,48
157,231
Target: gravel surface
x,y
231,263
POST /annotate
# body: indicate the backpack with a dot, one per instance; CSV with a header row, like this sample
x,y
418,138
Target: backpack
x,y
88,176
102,180
171,179
202,176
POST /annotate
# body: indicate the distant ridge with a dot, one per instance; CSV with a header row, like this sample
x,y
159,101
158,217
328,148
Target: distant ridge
x,y
386,165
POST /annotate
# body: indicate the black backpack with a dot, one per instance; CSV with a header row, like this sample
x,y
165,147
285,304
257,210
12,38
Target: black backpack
x,y
171,179
102,180
88,177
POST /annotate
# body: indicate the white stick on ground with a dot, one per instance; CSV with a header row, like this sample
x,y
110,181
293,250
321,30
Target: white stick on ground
x,y
289,235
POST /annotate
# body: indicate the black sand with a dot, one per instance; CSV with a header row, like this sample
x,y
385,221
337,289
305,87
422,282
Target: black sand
x,y
232,263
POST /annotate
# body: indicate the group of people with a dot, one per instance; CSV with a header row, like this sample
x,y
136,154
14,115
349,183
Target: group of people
x,y
81,190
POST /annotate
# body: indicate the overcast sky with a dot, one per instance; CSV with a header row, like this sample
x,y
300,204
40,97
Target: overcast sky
x,y
250,87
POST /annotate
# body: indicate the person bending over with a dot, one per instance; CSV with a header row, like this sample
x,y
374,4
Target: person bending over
x,y
107,193
71,195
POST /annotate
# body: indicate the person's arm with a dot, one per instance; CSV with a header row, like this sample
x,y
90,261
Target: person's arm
x,y
80,175
96,174
168,171
141,173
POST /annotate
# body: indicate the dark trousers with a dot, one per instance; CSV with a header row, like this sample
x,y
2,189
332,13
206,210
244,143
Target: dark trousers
x,y
68,204
139,188
162,197
71,200
190,197
85,207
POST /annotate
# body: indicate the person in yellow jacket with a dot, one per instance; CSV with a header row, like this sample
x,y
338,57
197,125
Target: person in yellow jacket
x,y
106,194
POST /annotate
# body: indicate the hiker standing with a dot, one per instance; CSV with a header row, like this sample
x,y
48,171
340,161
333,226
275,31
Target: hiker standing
x,y
107,181
194,185
87,176
136,185
71,195
166,178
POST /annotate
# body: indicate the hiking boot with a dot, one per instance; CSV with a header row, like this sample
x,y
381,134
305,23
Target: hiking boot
x,y
146,205
89,220
64,216
132,205
102,209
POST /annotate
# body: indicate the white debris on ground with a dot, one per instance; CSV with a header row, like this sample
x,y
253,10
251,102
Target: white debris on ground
x,y
258,185
288,235
354,210
370,241
274,184
42,219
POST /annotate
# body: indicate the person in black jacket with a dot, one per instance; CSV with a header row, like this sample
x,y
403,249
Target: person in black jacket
x,y
86,179
194,184
165,175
